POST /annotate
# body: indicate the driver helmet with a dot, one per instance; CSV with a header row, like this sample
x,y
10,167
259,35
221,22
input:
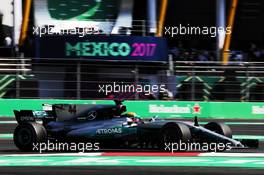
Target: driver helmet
x,y
131,115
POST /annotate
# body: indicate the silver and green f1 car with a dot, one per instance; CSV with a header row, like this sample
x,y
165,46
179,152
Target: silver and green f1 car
x,y
112,125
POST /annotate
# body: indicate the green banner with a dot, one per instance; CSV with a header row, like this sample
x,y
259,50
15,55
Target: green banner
x,y
147,109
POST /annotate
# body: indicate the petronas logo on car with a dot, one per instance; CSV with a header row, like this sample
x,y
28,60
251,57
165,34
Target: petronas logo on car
x,y
109,131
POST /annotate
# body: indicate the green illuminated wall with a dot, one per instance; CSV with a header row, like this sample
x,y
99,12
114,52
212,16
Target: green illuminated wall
x,y
147,109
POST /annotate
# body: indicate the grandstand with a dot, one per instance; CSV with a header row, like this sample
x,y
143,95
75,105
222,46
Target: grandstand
x,y
192,67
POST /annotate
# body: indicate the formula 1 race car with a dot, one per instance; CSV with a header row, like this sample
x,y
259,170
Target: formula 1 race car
x,y
111,125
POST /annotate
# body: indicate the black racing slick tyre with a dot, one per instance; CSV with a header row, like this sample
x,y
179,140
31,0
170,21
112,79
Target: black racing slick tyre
x,y
28,134
174,133
219,128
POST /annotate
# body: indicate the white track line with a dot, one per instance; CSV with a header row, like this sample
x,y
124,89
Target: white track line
x,y
231,154
55,154
211,154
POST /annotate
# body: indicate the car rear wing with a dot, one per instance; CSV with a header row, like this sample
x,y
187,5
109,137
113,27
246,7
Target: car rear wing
x,y
24,116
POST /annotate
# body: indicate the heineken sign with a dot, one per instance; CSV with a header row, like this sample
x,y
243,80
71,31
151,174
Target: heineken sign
x,y
258,110
175,109
102,47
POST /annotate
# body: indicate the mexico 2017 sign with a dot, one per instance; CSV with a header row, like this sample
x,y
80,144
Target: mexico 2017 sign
x,y
103,47
110,49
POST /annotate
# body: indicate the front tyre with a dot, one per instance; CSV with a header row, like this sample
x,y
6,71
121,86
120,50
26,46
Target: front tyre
x,y
27,134
219,128
174,133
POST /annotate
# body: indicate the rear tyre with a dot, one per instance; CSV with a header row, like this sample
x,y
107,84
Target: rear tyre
x,y
174,133
28,134
219,128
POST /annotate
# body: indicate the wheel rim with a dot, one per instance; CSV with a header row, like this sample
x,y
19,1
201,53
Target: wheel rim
x,y
24,136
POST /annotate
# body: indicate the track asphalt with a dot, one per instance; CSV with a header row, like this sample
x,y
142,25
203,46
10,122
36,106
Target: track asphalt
x,y
237,162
